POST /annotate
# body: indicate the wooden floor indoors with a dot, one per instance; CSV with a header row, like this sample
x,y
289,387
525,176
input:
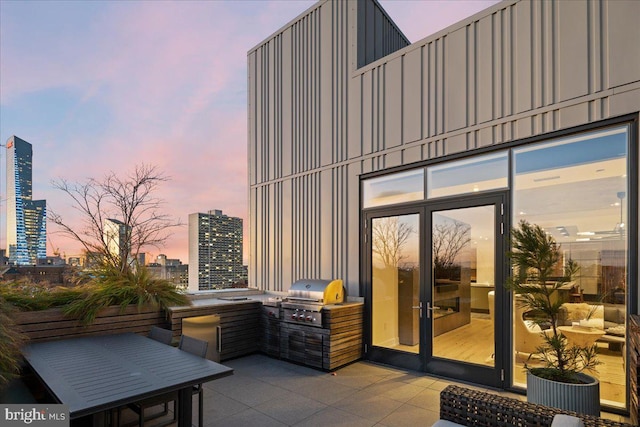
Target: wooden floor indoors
x,y
479,350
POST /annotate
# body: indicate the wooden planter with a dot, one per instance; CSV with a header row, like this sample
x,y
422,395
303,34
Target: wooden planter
x,y
51,324
580,398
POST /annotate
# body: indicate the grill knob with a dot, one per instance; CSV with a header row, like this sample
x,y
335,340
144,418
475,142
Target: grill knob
x,y
293,316
309,319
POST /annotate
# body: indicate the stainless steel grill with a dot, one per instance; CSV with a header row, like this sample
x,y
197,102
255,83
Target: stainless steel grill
x,y
307,297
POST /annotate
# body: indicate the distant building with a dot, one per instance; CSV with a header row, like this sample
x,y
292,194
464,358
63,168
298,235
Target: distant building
x,y
142,258
26,218
178,274
215,250
50,274
51,260
115,235
169,262
170,269
172,262
77,260
161,259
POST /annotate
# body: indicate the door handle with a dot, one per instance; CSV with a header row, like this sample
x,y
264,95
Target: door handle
x,y
419,306
430,309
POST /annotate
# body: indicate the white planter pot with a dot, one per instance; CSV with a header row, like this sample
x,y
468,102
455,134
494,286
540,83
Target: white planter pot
x,y
580,398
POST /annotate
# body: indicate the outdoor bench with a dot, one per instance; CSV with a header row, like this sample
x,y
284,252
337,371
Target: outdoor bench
x,y
468,407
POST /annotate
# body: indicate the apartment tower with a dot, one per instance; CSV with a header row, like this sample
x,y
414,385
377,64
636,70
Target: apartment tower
x,y
215,250
26,218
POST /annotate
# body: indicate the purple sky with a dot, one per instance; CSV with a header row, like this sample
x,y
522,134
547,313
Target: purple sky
x,y
102,86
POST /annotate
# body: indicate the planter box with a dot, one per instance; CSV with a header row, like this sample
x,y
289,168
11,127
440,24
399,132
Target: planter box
x,y
51,324
580,398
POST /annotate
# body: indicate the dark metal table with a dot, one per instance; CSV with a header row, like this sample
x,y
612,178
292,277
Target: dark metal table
x,y
99,373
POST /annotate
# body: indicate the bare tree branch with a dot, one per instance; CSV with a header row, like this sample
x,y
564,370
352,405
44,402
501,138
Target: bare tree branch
x,y
389,235
448,240
130,200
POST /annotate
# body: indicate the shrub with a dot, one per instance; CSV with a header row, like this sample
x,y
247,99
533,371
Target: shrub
x,y
28,296
109,286
11,341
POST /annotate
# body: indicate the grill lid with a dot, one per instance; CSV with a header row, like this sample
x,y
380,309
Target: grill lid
x,y
319,291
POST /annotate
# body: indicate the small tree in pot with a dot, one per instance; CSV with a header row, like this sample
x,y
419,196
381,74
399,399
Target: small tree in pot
x,y
535,256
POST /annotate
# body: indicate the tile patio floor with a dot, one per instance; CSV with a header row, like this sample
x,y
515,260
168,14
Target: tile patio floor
x,y
266,392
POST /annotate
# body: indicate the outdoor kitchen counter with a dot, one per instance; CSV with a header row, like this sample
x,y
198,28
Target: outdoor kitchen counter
x,y
338,342
240,325
239,322
342,305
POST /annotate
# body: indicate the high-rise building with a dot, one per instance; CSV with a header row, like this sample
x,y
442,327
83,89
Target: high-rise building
x,y
26,218
115,235
215,250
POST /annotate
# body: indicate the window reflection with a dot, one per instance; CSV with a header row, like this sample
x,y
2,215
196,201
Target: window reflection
x,y
480,173
576,189
396,282
391,189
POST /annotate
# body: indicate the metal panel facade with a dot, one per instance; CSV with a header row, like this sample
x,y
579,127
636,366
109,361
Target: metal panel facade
x,y
521,68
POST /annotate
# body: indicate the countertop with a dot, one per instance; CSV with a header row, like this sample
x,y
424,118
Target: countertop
x,y
247,297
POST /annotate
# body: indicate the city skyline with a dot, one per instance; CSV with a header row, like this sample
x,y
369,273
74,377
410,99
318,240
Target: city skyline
x,y
104,86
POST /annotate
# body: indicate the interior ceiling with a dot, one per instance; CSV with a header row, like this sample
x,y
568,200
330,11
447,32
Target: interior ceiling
x,y
579,202
564,210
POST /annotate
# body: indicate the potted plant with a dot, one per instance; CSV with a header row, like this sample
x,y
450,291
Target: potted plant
x,y
560,381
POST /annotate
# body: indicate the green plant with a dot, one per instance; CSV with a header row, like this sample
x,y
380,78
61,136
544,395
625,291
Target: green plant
x,y
535,256
109,286
28,296
11,341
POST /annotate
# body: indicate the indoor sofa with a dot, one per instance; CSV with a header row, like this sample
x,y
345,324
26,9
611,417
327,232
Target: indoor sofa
x,y
608,317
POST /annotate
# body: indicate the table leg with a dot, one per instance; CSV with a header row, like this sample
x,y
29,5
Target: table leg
x,y
185,397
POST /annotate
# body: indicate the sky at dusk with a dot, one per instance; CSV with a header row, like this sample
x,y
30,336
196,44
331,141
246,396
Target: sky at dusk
x,y
100,86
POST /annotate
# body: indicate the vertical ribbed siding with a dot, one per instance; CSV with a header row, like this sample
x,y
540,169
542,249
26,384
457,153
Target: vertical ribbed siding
x,y
525,69
378,35
316,124
302,201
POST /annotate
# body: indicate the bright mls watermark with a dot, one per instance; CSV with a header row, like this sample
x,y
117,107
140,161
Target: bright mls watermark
x,y
43,415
